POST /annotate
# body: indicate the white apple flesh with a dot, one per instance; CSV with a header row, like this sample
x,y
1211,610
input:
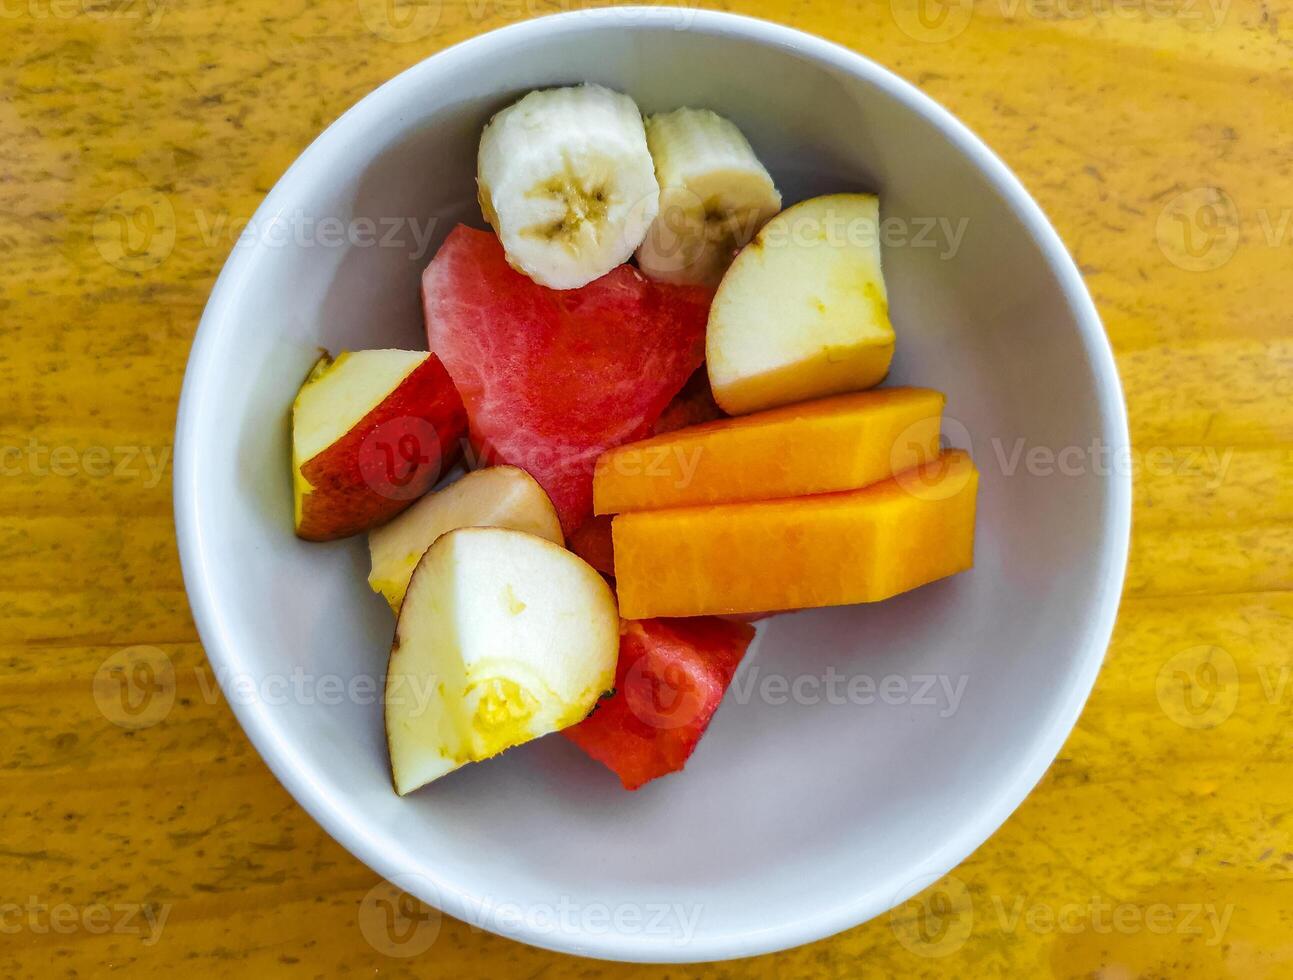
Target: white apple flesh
x,y
356,382
497,496
502,637
802,312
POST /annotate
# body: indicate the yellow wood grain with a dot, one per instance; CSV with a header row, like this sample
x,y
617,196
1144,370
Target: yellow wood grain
x,y
1156,135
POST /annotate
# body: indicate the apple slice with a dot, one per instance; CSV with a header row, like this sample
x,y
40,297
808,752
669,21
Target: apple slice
x,y
802,312
371,432
503,637
498,496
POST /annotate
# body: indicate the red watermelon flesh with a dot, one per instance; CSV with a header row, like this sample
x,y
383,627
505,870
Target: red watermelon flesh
x,y
591,541
694,405
670,678
553,378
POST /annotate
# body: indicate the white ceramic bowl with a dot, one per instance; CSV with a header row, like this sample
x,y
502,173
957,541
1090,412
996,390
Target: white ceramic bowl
x,y
804,812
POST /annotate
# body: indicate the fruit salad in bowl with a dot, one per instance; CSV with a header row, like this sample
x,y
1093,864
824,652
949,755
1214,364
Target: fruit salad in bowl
x,y
634,521
552,361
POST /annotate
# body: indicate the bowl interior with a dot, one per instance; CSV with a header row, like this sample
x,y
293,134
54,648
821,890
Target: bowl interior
x,y
862,750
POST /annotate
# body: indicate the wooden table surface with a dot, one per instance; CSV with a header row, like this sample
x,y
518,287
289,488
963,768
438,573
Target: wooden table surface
x,y
136,136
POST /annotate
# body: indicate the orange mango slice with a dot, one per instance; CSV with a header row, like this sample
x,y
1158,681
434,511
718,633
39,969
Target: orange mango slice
x,y
824,550
838,443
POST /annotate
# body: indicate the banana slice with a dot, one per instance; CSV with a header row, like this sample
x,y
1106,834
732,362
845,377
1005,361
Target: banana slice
x,y
567,181
714,196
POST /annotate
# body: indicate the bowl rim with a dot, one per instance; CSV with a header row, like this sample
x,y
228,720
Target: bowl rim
x,y
342,821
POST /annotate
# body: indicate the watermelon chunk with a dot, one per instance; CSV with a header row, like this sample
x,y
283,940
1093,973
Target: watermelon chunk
x,y
693,405
592,542
553,378
671,675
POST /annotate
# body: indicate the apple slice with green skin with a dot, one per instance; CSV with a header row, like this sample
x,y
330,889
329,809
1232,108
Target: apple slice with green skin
x,y
802,312
371,432
503,636
497,496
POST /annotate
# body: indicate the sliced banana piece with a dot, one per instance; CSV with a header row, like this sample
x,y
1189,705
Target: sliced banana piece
x,y
714,196
567,182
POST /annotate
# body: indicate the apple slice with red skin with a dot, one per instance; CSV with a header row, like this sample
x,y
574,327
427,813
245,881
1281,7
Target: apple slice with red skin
x,y
371,432
669,680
